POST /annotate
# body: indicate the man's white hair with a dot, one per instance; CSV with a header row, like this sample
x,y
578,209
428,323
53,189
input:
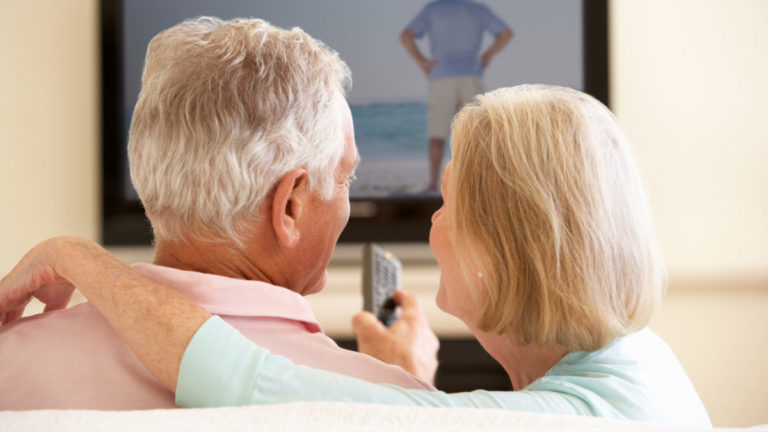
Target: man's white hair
x,y
226,109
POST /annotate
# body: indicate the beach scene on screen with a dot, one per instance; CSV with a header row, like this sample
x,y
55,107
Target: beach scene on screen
x,y
388,97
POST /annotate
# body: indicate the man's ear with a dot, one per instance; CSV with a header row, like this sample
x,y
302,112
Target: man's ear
x,y
288,203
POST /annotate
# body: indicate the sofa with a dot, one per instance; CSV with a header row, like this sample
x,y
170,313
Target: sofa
x,y
318,416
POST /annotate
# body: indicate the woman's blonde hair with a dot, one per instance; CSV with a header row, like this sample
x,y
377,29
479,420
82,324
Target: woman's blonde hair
x,y
544,185
226,109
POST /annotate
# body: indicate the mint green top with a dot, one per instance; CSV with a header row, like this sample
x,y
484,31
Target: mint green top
x,y
637,377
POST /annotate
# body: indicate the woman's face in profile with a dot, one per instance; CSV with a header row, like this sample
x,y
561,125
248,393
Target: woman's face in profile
x,y
453,295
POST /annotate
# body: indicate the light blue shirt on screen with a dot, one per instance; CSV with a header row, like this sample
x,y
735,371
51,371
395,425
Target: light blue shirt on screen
x,y
637,377
455,29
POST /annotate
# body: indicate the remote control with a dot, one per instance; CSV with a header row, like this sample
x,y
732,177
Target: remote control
x,y
381,277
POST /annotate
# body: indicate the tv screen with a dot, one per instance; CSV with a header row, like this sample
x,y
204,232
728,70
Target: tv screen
x,y
560,42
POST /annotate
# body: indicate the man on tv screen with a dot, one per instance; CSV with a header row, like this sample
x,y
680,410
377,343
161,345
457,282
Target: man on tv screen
x,y
455,30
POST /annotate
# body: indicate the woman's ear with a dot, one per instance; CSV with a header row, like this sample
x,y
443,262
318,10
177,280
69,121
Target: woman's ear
x,y
288,203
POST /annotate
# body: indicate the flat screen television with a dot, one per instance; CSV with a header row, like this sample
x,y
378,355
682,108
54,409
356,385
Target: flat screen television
x,y
560,42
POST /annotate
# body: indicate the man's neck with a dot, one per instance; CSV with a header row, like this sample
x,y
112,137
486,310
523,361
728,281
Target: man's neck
x,y
218,258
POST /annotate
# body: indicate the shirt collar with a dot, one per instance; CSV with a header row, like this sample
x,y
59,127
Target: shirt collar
x,y
234,297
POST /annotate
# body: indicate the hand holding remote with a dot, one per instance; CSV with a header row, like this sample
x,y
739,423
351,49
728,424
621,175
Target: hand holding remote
x,y
409,343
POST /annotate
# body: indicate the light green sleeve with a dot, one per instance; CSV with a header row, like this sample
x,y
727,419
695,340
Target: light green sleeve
x,y
221,367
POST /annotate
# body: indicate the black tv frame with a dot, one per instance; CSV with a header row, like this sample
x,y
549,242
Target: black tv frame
x,y
395,220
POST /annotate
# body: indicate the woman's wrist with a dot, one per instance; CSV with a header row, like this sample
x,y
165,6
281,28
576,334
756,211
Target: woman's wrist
x,y
140,309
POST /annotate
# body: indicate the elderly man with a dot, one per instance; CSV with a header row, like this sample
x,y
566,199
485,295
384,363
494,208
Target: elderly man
x,y
242,150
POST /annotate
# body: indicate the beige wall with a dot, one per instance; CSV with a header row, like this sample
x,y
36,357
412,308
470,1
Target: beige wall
x,y
48,123
689,87
688,81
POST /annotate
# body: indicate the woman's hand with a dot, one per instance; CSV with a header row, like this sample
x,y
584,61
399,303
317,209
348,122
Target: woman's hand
x,y
36,275
409,343
155,321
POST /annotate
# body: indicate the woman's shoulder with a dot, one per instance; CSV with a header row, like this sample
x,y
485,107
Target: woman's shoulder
x,y
633,350
636,377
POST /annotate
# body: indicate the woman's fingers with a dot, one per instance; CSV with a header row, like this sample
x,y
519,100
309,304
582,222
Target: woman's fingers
x,y
34,276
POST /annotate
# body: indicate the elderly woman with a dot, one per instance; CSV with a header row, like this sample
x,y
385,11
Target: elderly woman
x,y
546,251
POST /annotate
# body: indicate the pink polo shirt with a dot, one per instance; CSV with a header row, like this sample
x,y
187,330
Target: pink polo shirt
x,y
74,359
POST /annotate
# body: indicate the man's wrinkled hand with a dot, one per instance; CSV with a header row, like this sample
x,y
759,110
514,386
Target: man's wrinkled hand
x,y
410,343
35,276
